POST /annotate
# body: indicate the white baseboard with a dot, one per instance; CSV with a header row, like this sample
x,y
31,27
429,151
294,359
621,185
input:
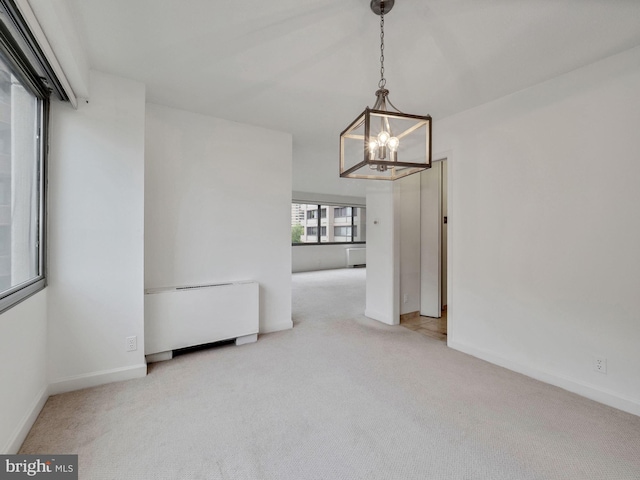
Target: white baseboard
x,y
94,379
23,428
592,392
159,357
380,317
246,339
277,327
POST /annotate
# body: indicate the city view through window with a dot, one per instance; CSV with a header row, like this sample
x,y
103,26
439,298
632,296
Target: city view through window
x,y
20,186
313,223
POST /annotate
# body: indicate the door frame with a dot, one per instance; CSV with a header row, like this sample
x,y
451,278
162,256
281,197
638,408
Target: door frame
x,y
431,265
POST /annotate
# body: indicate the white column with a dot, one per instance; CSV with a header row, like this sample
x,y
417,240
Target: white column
x,y
383,259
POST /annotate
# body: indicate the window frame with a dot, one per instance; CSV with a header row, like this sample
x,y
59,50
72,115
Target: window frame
x,y
26,61
320,207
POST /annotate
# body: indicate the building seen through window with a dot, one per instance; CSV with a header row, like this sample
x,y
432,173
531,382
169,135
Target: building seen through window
x,y
336,224
19,182
26,83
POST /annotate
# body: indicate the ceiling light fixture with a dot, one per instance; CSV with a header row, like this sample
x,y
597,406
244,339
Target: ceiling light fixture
x,y
385,144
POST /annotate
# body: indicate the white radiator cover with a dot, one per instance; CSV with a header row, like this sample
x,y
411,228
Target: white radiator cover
x,y
180,317
356,256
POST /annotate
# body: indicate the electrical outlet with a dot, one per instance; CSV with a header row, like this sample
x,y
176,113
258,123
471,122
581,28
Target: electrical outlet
x,y
405,298
132,343
600,365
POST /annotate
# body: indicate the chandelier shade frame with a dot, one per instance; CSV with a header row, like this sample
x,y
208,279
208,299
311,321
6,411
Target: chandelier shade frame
x,y
384,143
358,160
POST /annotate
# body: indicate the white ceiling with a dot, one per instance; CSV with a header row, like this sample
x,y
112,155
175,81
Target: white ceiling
x,y
310,66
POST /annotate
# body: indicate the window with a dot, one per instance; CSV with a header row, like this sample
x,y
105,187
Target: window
x,y
345,212
336,224
313,231
345,231
26,81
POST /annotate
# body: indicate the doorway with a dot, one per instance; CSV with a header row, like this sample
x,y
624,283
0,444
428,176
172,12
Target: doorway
x,y
432,320
434,235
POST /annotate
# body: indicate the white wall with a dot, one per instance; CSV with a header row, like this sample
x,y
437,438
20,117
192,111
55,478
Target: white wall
x,y
383,252
96,237
23,376
58,25
314,172
308,258
322,257
315,197
218,207
545,231
409,213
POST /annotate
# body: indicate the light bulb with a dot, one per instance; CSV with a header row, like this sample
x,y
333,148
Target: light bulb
x,y
373,146
383,138
393,145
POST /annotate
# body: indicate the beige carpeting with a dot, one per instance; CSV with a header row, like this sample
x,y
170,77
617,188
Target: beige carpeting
x,y
338,397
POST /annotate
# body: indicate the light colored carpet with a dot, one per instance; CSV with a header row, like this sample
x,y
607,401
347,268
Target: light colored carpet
x,y
338,397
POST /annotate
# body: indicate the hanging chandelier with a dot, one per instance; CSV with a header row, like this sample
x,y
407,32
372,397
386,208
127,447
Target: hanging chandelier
x,y
383,143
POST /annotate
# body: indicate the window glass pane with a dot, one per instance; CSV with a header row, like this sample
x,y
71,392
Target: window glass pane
x,y
304,223
336,223
326,218
360,224
345,211
19,182
297,221
345,233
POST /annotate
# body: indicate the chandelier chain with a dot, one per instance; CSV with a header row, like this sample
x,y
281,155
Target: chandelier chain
x,y
382,81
